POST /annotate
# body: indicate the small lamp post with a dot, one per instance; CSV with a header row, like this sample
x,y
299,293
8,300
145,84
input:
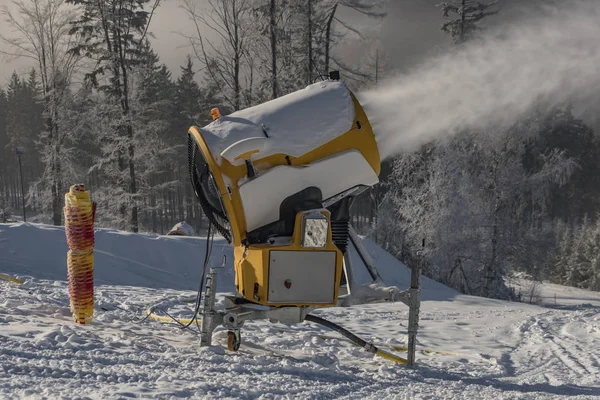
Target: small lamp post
x,y
19,151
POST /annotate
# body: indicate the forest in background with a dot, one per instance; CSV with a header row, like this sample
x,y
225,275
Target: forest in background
x,y
100,107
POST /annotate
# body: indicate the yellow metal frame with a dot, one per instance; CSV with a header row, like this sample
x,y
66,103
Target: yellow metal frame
x,y
247,258
361,139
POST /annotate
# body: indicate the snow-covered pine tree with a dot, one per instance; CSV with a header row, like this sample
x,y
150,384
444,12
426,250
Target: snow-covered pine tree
x,y
577,259
4,143
112,32
471,199
40,31
577,265
563,250
188,99
19,105
37,123
4,211
562,130
192,108
593,282
71,117
23,128
159,146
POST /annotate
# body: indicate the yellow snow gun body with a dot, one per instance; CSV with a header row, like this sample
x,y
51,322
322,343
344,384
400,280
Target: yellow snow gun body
x,y
277,181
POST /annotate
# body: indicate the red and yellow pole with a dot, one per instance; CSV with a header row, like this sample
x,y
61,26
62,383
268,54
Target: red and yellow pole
x,y
79,227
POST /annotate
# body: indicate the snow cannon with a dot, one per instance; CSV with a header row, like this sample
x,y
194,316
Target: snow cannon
x,y
277,181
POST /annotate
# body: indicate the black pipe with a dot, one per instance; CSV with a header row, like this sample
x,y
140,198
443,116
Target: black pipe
x,y
351,336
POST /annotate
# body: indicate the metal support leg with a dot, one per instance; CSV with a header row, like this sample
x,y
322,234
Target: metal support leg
x,y
364,255
413,313
209,313
350,282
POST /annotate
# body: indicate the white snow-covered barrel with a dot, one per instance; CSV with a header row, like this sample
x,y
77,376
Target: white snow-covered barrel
x,y
316,137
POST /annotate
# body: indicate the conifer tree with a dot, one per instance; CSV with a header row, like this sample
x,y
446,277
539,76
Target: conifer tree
x,y
113,33
39,31
188,98
4,145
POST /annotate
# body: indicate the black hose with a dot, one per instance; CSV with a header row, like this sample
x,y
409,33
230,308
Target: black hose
x,y
209,240
351,336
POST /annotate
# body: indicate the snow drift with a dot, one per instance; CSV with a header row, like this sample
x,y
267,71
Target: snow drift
x,y
169,262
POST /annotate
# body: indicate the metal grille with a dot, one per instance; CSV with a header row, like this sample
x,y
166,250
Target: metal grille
x,y
339,234
206,190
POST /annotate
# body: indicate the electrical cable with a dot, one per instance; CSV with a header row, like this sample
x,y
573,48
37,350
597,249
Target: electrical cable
x,y
150,314
194,319
209,241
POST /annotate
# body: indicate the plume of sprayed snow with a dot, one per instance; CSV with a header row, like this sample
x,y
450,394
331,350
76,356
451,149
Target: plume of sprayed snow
x,y
490,83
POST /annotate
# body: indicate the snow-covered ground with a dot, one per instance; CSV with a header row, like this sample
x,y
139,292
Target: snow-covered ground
x,y
470,347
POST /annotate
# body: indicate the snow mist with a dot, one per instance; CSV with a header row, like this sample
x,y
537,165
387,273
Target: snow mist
x,y
489,83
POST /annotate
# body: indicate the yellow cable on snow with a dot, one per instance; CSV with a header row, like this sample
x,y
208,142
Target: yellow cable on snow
x,y
390,357
11,279
395,348
159,318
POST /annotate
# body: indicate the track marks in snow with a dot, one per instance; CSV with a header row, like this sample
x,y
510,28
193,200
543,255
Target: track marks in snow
x,y
45,354
546,352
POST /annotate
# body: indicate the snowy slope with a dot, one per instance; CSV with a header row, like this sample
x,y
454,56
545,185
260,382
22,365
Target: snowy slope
x,y
121,258
478,348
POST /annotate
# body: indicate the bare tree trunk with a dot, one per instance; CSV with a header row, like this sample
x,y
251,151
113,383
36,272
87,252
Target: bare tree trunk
x,y
42,28
133,183
57,178
463,20
376,66
272,13
57,210
54,176
328,37
129,130
309,27
225,66
490,270
237,58
153,206
179,195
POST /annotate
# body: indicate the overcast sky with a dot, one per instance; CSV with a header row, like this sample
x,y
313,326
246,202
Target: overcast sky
x,y
410,32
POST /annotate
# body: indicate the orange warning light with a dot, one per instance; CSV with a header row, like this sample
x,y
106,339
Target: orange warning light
x,y
216,114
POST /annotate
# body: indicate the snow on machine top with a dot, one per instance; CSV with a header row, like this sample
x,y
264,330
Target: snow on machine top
x,y
293,124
